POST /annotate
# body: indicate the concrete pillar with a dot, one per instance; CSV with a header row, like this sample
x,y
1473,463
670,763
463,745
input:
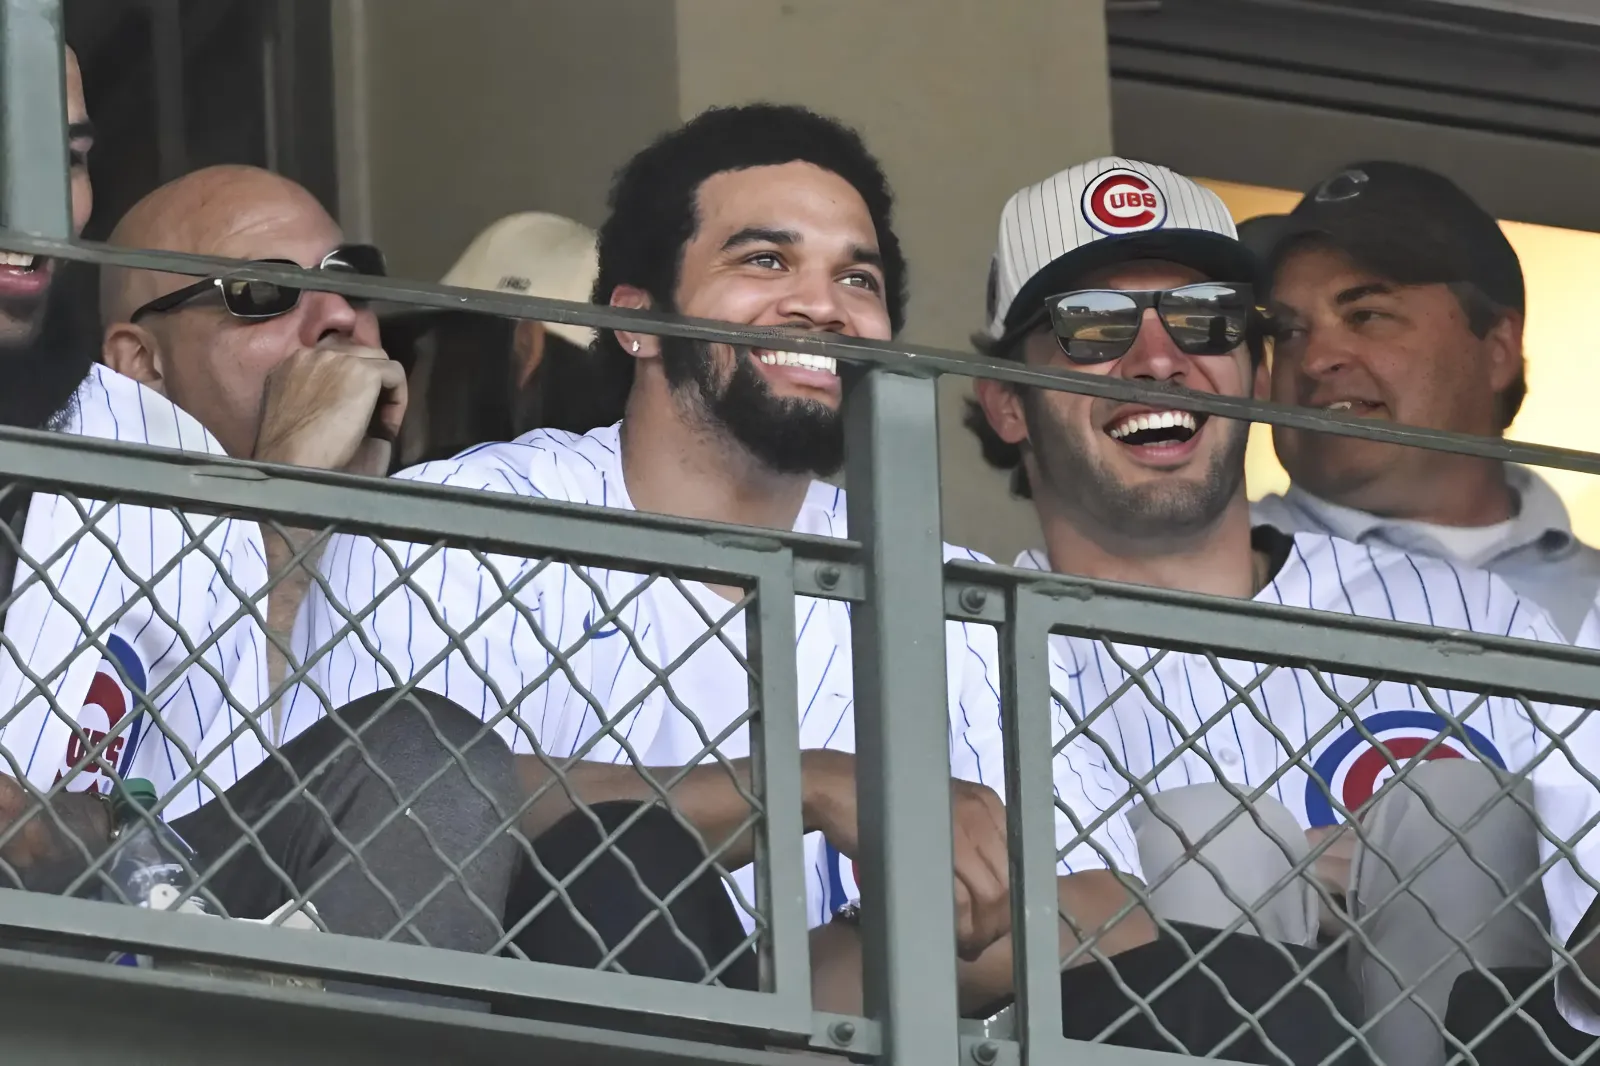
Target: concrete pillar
x,y
475,108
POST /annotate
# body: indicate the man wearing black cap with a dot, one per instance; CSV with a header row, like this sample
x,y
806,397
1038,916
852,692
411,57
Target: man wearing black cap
x,y
1398,298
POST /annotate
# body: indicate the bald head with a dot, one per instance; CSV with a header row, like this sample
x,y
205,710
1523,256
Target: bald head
x,y
200,356
229,211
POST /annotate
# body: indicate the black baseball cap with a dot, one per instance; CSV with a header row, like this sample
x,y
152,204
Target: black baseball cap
x,y
1402,222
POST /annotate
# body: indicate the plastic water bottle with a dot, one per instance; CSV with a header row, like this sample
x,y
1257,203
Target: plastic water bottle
x,y
147,862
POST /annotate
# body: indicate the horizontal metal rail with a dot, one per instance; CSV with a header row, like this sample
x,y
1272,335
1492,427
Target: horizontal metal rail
x,y
1269,633
903,359
583,1015
157,1017
398,509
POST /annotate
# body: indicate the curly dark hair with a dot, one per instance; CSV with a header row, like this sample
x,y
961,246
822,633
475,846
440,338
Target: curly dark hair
x,y
653,208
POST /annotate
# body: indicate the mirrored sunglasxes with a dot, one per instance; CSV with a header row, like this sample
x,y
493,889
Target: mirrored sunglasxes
x,y
1099,325
256,300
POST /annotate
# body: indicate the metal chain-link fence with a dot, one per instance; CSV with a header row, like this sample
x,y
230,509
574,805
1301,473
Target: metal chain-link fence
x,y
1367,813
1383,803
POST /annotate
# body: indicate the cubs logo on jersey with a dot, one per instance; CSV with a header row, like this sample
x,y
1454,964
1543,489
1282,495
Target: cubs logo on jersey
x,y
1353,767
111,698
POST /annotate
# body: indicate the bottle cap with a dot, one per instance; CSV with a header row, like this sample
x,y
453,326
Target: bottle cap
x,y
135,792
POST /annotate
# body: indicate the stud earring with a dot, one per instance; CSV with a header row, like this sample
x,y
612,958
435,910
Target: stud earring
x,y
635,347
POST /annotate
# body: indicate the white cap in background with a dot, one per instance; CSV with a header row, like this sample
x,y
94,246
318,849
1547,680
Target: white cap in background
x,y
1099,213
534,254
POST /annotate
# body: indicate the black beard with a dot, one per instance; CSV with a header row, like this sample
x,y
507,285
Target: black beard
x,y
785,435
1082,485
43,372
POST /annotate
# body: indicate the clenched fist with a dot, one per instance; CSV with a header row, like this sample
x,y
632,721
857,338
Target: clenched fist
x,y
334,407
978,824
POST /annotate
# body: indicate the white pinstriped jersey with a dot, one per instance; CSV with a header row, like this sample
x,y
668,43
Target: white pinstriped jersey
x,y
1320,759
1374,581
502,663
147,638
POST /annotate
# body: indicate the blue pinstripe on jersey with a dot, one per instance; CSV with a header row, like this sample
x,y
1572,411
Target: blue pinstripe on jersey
x,y
190,602
710,684
1325,574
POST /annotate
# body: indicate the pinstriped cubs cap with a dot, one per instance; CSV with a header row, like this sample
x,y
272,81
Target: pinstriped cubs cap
x,y
1102,212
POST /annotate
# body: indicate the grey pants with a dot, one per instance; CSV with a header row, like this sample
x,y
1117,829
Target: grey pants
x,y
420,874
1405,938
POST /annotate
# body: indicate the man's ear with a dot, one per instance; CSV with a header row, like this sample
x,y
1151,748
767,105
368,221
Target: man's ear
x,y
641,345
1002,406
133,352
1504,342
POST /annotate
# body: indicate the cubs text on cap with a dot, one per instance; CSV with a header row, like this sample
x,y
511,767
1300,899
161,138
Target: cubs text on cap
x,y
1099,213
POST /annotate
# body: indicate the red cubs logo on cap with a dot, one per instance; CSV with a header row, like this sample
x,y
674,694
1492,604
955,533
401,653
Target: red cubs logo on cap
x,y
1123,201
112,696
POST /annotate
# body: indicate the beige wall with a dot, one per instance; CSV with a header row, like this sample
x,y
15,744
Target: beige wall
x,y
478,108
532,105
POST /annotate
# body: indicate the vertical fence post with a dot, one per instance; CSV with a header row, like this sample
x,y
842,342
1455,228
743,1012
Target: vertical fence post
x,y
34,195
1030,820
775,744
902,725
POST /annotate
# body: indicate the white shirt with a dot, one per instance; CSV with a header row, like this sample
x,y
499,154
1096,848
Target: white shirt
x,y
1314,732
502,663
1317,734
1535,553
146,638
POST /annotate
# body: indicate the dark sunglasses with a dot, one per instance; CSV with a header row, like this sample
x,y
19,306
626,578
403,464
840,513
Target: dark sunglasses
x,y
257,300
1099,325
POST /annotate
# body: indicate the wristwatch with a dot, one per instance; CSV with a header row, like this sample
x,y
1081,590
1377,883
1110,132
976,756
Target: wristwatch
x,y
849,914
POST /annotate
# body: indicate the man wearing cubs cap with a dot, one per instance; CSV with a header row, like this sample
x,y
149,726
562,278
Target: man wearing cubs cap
x,y
1398,298
1124,269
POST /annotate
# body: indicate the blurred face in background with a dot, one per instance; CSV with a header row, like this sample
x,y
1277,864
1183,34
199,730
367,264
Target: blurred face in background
x,y
25,279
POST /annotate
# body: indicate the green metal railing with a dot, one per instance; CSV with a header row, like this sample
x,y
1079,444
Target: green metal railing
x,y
889,568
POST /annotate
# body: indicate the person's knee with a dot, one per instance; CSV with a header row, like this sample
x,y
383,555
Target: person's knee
x,y
1209,857
1261,834
1445,794
1452,823
1448,801
420,738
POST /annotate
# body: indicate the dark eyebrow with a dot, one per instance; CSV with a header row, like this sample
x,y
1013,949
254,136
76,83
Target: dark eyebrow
x,y
866,256
81,131
760,235
1361,292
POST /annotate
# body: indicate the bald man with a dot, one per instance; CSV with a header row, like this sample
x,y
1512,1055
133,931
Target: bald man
x,y
278,375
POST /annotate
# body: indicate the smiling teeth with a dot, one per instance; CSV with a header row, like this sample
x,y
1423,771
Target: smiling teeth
x,y
825,363
1341,405
16,259
1153,420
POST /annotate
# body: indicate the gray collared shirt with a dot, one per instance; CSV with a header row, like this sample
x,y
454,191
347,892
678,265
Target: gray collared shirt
x,y
1538,556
